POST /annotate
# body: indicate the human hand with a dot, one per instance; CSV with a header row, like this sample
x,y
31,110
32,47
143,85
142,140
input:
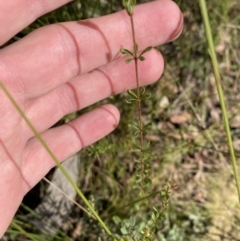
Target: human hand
x,y
62,68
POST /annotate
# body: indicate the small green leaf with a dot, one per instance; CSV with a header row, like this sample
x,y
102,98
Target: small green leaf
x,y
153,216
130,101
146,155
137,148
143,94
132,93
163,193
155,209
116,220
142,90
147,181
127,61
126,51
124,230
129,5
146,50
141,58
147,127
134,126
147,144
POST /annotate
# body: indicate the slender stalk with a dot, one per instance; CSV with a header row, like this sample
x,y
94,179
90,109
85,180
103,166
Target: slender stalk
x,y
53,156
69,198
140,122
205,17
139,200
137,82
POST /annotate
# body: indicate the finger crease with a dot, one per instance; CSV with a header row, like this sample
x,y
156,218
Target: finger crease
x,y
77,133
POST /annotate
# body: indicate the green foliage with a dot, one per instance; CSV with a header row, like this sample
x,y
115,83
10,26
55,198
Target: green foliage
x,y
143,95
141,57
137,229
129,5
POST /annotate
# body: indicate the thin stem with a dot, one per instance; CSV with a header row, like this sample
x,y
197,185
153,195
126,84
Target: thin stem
x,y
205,17
53,156
69,198
137,201
138,92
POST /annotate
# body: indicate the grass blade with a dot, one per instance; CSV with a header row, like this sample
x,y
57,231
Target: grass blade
x,y
44,144
213,56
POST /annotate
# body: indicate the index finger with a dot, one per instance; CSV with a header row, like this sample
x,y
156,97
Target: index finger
x,y
60,52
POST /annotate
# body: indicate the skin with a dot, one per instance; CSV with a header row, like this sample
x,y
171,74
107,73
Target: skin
x,y
59,69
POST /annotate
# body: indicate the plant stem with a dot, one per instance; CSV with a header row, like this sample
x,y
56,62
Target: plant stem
x,y
138,200
140,123
205,17
22,231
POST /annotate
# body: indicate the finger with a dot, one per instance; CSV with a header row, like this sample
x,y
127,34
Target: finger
x,y
18,14
90,88
55,54
66,140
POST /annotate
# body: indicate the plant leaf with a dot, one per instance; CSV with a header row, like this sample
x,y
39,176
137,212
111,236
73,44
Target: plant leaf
x,y
127,61
126,51
132,93
129,4
130,101
142,90
146,50
141,58
134,126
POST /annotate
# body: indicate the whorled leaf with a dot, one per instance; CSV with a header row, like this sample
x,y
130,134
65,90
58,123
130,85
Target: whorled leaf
x,y
146,50
127,61
141,58
143,94
132,93
135,128
127,52
129,5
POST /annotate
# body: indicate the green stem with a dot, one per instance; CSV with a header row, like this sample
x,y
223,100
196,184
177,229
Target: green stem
x,y
22,231
138,93
205,17
53,156
136,201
